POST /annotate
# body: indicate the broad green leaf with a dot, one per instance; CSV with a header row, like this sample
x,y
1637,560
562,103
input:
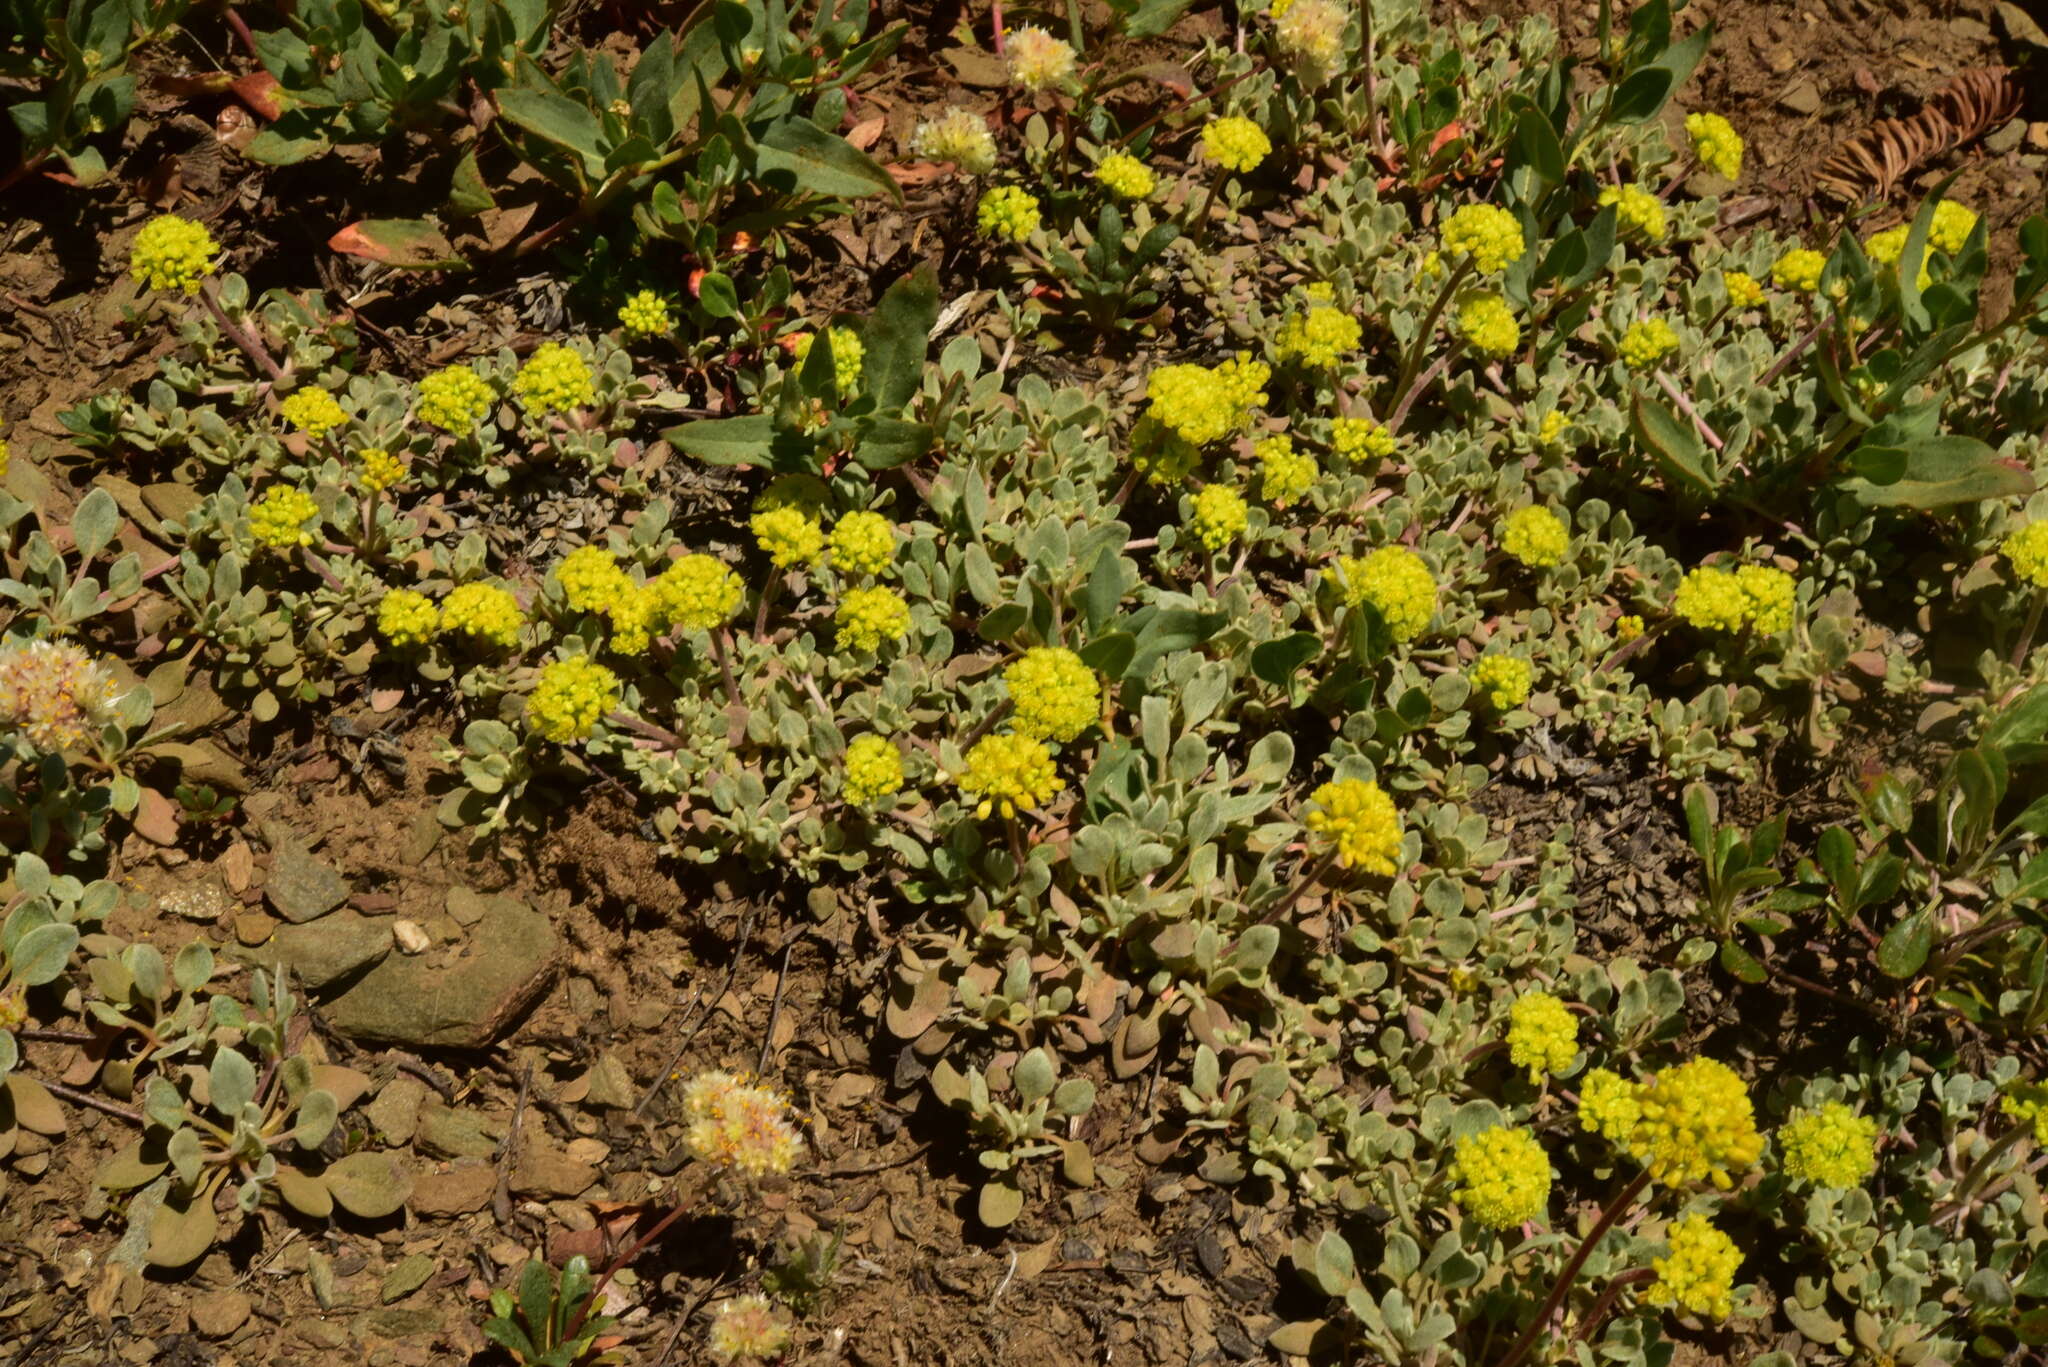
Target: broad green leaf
x,y
408,243
94,523
1906,945
1933,472
1674,446
896,337
1277,661
794,155
557,119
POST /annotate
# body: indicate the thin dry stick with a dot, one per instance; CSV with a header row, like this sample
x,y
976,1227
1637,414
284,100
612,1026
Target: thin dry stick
x,y
79,1098
501,1196
732,974
1684,402
774,1009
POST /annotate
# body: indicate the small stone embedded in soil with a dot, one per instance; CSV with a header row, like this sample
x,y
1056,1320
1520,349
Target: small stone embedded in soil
x,y
466,905
322,1334
2005,139
457,1191
609,1085
461,999
395,1323
254,927
1802,98
303,888
337,948
411,939
458,1133
396,1111
547,1170
408,1276
219,1314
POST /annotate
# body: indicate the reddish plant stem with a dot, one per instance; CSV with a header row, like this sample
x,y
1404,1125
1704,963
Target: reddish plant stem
x,y
1615,1210
604,1278
1608,1295
237,334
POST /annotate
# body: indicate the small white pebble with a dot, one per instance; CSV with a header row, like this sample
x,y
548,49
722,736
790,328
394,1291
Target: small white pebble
x,y
411,939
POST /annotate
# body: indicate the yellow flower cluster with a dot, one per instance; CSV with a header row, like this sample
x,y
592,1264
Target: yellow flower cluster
x,y
483,612
53,694
1396,583
173,253
455,399
1310,35
1503,680
1952,226
731,1122
1361,820
869,618
2027,551
863,543
960,136
1608,1105
1124,176
1319,338
1627,627
1503,1177
1007,214
1646,343
2028,1101
1235,144
1543,1035
1743,290
279,518
849,354
1887,247
1830,1146
1758,596
1799,269
1487,322
747,1328
1053,695
553,380
1009,774
1487,233
1535,536
1636,210
3,458
646,314
1550,431
1360,439
1200,404
1711,600
1770,592
1716,143
1037,59
788,535
381,469
874,768
1287,474
1687,1124
313,411
1699,1274
570,697
698,593
592,581
406,618
1219,516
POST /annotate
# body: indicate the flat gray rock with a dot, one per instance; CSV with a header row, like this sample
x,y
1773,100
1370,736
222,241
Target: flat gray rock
x,y
303,888
321,953
464,996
